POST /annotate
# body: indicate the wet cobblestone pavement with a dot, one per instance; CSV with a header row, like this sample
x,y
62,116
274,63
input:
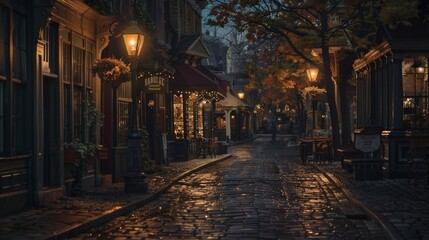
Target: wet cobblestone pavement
x,y
400,204
262,192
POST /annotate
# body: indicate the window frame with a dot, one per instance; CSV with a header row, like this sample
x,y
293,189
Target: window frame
x,y
415,97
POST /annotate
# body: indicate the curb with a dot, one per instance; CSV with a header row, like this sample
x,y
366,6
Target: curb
x,y
243,141
96,221
389,230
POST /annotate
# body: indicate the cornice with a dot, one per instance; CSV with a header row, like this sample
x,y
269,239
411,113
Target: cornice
x,y
374,54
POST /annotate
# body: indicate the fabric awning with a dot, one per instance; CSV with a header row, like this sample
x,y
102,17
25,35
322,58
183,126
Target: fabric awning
x,y
188,78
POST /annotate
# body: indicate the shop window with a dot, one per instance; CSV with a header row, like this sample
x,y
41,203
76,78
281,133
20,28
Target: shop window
x,y
89,59
18,119
415,93
78,66
4,43
12,47
78,56
192,114
2,136
77,113
66,62
4,36
123,110
67,115
18,76
46,35
49,39
178,116
19,51
124,102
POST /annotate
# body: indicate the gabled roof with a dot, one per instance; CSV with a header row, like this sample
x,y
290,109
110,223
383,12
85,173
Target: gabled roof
x,y
192,45
231,101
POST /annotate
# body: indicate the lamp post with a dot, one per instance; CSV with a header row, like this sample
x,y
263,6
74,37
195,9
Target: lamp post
x,y
240,116
135,178
312,77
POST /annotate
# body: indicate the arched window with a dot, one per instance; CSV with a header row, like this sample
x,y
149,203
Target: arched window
x,y
415,92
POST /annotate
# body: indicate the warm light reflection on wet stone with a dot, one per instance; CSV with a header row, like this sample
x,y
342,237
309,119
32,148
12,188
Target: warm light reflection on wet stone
x,y
262,192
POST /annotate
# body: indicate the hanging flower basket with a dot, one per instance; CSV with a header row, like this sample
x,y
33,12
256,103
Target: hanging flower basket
x,y
111,69
310,94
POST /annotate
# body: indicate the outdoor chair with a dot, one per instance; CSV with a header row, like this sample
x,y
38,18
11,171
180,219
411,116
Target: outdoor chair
x,y
212,147
203,149
322,152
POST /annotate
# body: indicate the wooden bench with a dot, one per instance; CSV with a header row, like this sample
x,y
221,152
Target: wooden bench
x,y
365,169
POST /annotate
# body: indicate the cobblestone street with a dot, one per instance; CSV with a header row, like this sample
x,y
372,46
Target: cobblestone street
x,y
261,192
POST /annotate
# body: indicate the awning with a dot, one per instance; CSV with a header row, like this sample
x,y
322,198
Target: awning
x,y
223,84
188,78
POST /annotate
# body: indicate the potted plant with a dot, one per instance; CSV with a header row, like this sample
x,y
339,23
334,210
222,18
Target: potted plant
x,y
310,94
149,166
81,152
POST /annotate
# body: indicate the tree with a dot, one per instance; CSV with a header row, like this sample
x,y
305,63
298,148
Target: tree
x,y
310,24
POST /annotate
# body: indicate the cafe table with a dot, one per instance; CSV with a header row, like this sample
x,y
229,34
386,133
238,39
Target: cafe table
x,y
313,146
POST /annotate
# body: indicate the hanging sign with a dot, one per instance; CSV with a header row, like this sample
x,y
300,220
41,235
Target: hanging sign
x,y
155,84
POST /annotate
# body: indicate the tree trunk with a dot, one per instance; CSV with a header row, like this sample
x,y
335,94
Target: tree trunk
x,y
330,88
345,113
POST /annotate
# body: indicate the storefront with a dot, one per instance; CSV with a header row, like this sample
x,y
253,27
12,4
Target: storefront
x,y
194,96
392,92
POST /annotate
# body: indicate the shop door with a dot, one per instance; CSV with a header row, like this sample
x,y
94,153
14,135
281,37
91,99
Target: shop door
x,y
50,129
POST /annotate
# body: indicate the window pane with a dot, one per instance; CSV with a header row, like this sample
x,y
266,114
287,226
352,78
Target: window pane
x,y
66,62
123,122
77,113
78,65
19,51
88,65
4,36
17,119
78,42
67,109
415,92
1,117
124,90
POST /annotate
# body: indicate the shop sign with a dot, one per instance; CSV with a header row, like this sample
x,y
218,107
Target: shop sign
x,y
155,84
367,143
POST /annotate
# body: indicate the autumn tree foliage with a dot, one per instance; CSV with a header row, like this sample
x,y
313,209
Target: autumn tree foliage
x,y
310,24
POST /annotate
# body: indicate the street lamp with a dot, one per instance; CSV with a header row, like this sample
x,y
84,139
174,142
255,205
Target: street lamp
x,y
312,77
312,74
135,178
240,95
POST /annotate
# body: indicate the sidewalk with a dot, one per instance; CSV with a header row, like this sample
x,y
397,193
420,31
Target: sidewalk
x,y
400,206
68,216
